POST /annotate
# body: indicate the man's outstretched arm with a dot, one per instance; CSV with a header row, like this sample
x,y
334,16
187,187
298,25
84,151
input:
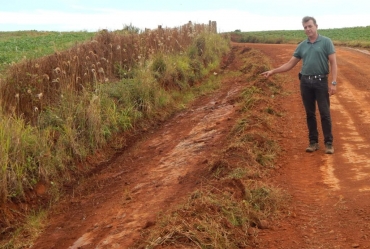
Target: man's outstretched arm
x,y
286,67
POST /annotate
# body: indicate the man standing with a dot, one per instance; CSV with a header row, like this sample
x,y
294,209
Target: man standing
x,y
317,52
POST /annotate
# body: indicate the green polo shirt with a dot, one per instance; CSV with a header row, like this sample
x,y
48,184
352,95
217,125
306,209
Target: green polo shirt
x,y
315,55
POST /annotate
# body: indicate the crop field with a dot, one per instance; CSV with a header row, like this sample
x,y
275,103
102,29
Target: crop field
x,y
355,36
15,46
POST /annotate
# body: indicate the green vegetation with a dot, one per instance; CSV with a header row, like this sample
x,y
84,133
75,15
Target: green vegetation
x,y
355,37
15,46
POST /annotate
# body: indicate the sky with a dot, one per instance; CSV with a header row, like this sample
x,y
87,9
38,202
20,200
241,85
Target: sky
x,y
230,15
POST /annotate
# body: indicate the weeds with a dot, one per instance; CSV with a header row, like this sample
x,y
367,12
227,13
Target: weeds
x,y
30,229
213,218
236,196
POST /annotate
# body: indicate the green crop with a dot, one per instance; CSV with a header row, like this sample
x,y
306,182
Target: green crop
x,y
15,46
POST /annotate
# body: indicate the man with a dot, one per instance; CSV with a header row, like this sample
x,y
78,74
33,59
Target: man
x,y
317,52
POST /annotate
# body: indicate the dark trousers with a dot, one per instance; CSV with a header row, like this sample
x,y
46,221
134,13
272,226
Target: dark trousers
x,y
316,91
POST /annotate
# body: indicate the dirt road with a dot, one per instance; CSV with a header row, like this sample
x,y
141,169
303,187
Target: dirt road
x,y
330,193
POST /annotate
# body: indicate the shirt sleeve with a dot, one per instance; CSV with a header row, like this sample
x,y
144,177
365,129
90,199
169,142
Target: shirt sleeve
x,y
298,52
330,47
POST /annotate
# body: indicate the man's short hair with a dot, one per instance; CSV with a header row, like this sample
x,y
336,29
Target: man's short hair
x,y
307,18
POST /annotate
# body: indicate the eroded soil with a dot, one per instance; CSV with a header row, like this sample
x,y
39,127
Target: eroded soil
x,y
330,193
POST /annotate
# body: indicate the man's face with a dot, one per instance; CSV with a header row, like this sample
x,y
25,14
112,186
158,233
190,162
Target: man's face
x,y
310,28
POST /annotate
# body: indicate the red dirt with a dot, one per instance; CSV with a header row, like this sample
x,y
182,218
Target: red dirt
x,y
330,193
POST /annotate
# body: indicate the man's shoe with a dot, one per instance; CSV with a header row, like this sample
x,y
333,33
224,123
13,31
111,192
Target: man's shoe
x,y
312,147
329,149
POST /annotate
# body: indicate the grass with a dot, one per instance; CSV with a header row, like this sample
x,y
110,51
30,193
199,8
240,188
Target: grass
x,y
30,229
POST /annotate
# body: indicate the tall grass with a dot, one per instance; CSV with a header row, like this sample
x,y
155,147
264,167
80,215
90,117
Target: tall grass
x,y
60,108
22,156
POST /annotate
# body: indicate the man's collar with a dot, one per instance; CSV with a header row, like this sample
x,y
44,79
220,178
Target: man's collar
x,y
317,39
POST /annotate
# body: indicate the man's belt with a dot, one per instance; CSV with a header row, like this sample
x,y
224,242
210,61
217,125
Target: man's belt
x,y
319,76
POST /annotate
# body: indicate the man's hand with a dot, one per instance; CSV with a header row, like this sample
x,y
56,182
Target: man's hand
x,y
332,89
267,73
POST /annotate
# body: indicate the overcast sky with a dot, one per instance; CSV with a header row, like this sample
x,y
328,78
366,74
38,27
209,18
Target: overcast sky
x,y
246,15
